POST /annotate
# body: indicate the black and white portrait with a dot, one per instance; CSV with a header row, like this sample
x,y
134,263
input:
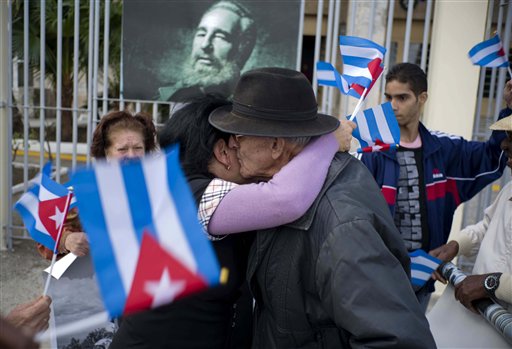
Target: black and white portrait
x,y
174,50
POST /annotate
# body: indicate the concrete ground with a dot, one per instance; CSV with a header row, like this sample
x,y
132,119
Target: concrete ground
x,y
21,276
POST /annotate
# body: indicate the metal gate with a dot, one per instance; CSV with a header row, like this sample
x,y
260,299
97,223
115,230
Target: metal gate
x,y
50,112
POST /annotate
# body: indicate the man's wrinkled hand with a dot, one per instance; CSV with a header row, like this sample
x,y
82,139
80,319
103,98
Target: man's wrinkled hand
x,y
471,289
33,316
445,253
344,134
77,243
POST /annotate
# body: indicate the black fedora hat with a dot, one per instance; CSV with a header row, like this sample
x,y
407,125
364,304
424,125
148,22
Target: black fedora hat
x,y
273,102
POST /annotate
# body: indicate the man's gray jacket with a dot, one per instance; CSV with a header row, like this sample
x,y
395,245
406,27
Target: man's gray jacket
x,y
339,276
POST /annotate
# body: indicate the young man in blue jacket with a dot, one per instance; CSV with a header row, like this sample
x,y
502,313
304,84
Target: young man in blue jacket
x,y
432,172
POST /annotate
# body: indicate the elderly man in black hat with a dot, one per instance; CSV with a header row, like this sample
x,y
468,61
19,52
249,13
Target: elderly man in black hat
x,y
338,276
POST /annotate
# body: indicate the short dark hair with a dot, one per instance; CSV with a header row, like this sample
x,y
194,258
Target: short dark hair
x,y
122,120
408,73
189,127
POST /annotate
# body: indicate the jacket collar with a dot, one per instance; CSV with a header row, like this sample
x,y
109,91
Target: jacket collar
x,y
339,162
429,144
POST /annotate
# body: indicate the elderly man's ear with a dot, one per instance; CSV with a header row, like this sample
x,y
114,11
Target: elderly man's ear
x,y
279,146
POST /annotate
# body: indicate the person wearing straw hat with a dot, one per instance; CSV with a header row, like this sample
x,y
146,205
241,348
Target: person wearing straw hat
x,y
338,276
490,240
431,173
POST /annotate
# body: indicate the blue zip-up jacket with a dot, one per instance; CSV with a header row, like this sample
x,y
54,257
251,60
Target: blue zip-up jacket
x,y
455,170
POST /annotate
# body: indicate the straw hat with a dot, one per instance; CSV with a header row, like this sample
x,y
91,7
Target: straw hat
x,y
504,124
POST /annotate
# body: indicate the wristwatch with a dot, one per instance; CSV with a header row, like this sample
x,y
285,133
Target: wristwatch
x,y
491,283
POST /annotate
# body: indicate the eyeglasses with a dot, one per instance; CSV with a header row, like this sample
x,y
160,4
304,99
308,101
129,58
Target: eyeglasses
x,y
237,138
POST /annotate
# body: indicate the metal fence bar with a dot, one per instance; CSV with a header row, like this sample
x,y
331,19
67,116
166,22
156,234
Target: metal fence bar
x,y
490,111
389,32
58,103
46,107
106,43
318,41
301,34
137,107
96,64
8,230
121,79
334,51
426,35
75,81
506,45
328,44
372,19
90,63
25,91
408,25
350,31
144,101
42,76
155,113
483,71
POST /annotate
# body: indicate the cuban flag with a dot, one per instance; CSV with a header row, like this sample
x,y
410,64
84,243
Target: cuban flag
x,y
44,208
422,267
362,66
489,53
377,129
147,245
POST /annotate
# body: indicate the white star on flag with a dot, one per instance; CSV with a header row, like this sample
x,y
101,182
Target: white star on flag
x,y
58,217
165,290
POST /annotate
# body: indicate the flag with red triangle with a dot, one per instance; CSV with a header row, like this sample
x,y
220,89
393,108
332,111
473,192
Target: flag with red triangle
x,y
147,245
43,208
362,66
160,278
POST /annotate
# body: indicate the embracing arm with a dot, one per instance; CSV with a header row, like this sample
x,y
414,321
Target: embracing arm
x,y
283,199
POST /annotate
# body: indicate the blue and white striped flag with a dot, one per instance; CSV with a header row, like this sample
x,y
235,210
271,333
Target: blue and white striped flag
x,y
422,267
362,60
43,208
357,54
489,53
147,245
377,129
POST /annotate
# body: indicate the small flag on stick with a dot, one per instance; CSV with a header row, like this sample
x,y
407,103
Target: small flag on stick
x,y
377,129
489,53
362,59
43,208
422,267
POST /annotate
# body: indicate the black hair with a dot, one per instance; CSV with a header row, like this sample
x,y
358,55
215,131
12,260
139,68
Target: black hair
x,y
189,127
408,73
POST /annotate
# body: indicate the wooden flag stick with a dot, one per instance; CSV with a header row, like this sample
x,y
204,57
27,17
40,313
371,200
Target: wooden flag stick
x,y
57,241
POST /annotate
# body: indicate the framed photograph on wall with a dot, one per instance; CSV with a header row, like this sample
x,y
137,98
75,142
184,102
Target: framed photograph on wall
x,y
174,50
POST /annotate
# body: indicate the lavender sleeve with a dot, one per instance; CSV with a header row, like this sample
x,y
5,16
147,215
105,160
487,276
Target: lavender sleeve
x,y
283,199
